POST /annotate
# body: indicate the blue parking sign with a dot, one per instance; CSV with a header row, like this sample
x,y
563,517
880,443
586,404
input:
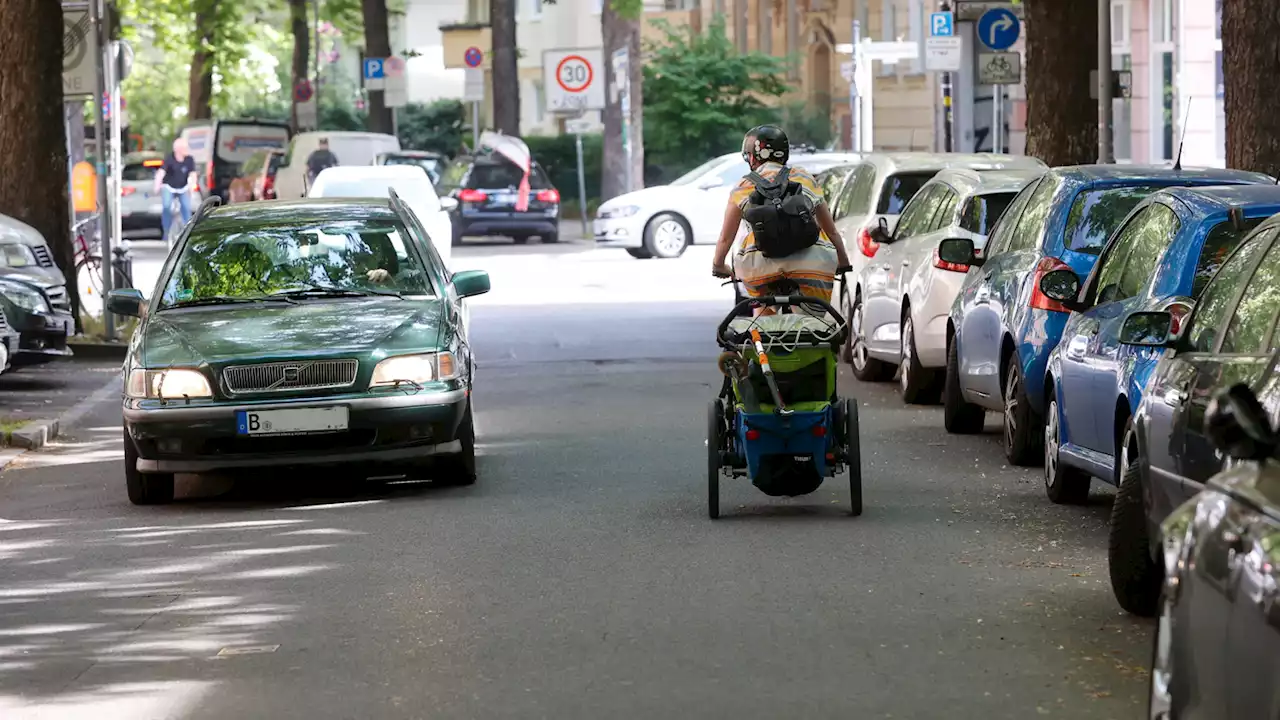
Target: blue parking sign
x,y
374,69
942,24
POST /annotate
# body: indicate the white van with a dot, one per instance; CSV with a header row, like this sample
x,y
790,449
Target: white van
x,y
351,148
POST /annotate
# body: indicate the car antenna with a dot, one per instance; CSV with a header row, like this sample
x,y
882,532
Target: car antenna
x,y
1182,139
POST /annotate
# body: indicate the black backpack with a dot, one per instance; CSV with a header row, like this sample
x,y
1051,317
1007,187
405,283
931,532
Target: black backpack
x,y
781,215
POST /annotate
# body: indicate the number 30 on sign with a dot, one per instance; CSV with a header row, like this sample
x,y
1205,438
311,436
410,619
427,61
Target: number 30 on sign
x,y
573,80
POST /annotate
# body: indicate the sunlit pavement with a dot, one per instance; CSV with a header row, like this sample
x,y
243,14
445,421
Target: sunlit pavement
x,y
580,576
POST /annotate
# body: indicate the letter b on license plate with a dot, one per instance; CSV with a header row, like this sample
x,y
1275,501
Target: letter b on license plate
x,y
292,421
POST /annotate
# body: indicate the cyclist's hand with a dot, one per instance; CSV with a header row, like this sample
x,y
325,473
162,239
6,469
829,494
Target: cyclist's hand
x,y
843,269
721,270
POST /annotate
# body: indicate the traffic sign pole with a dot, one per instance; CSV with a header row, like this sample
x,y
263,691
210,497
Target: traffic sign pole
x,y
473,57
1105,151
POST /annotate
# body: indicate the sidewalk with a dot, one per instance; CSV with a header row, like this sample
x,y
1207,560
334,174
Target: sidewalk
x,y
33,396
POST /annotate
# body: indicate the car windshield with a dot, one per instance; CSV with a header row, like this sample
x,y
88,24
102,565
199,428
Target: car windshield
x,y
17,255
899,189
257,262
693,175
982,211
1095,214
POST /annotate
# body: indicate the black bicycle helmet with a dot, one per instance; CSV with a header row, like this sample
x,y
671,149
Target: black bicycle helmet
x,y
766,143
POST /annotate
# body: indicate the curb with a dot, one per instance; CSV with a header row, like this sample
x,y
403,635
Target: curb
x,y
41,432
98,351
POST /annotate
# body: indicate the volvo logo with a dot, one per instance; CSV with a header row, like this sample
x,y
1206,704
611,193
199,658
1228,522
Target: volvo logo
x,y
291,375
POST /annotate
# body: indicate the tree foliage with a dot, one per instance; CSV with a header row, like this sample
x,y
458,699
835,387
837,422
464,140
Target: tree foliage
x,y
438,127
701,94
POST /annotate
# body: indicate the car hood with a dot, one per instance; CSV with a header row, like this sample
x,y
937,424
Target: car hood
x,y
278,331
39,276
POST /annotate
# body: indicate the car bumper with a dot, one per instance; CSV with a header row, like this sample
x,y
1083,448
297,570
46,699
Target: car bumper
x,y
141,222
625,232
392,428
42,336
931,317
529,224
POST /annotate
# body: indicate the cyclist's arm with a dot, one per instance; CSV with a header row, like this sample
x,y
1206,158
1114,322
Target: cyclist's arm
x,y
159,179
828,225
728,231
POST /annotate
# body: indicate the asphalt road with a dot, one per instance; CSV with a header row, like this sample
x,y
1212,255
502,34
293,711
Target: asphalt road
x,y
580,577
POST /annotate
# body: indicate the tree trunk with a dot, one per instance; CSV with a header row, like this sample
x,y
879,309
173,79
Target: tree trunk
x,y
618,32
377,44
301,52
33,141
1251,59
637,108
505,66
200,88
1062,49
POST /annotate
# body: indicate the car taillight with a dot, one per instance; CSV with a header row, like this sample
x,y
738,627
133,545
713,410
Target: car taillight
x,y
1039,300
269,187
208,180
472,196
1179,311
941,264
866,244
548,196
127,191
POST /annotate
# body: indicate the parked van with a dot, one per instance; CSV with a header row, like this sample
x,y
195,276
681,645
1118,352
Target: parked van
x,y
219,147
351,148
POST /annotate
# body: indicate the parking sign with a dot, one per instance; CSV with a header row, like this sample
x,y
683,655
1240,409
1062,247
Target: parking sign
x,y
942,24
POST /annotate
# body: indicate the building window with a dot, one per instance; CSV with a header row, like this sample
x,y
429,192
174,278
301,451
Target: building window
x,y
1121,60
764,26
478,11
888,30
1162,21
915,8
1163,145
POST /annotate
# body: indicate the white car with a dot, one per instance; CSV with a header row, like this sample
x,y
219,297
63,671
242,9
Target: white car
x,y
411,183
905,291
349,146
662,221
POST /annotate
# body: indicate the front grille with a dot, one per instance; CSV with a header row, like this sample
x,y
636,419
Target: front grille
x,y
290,376
58,297
42,256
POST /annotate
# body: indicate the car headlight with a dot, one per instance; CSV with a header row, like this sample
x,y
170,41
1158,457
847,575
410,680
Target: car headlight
x,y
617,212
169,384
414,370
27,298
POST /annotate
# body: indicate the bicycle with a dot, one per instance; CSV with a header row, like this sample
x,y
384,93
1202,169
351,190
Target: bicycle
x,y
88,258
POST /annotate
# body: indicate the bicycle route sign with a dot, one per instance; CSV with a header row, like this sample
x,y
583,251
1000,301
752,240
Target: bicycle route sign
x,y
79,52
1001,68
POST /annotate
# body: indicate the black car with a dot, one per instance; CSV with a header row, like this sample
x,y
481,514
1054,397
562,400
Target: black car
x,y
486,188
1217,646
38,311
1227,339
222,146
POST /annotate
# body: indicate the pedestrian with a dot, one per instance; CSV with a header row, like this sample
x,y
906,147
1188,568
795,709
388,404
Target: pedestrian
x,y
175,179
320,159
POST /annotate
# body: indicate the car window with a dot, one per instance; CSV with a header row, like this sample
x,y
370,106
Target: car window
x,y
946,212
496,175
1256,314
918,213
139,172
410,190
832,183
856,199
1004,226
1111,266
732,173
980,212
1218,244
1031,225
1095,214
696,174
1221,292
899,189
1161,225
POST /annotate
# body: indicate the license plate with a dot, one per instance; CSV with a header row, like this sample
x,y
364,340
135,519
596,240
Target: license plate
x,y
295,421
504,198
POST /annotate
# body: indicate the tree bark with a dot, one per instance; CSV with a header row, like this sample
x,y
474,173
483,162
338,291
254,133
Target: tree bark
x,y
637,107
33,141
301,52
1250,60
505,66
1062,49
619,31
377,43
200,88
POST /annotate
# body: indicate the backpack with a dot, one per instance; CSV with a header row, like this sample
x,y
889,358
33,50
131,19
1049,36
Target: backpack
x,y
781,215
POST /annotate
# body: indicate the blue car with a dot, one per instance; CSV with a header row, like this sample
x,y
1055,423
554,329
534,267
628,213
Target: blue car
x,y
1003,326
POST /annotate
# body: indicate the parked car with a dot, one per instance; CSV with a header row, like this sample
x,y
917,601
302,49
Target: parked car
x,y
410,183
485,188
220,147
43,326
256,177
140,204
905,291
369,367
1227,339
663,220
350,147
1217,642
1003,326
434,163
10,338
26,255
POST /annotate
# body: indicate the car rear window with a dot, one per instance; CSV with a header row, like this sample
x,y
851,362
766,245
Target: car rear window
x,y
981,211
490,176
1095,214
899,189
237,142
1221,240
139,172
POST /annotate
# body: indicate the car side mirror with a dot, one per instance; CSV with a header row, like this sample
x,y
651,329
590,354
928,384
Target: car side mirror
x,y
1238,425
958,251
448,204
126,301
471,282
1061,285
1147,328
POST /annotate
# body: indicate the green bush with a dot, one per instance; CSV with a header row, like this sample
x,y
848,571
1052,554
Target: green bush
x,y
439,127
558,156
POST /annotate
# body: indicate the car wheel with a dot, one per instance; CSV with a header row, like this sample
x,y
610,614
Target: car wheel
x,y
639,253
666,236
715,443
460,468
865,367
1023,432
1063,484
919,384
551,238
144,488
1135,575
959,416
1160,685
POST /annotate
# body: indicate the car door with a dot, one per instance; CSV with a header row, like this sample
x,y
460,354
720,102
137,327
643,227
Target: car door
x,y
881,277
978,324
1253,632
708,198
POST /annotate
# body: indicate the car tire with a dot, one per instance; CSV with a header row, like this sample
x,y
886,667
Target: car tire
x,y
551,238
1023,428
865,367
460,468
639,253
959,416
144,488
715,443
853,455
667,236
1136,576
919,384
1064,485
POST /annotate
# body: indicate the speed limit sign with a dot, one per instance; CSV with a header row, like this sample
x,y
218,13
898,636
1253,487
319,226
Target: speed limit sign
x,y
573,80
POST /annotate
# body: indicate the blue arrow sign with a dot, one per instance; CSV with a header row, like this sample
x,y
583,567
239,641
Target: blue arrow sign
x,y
374,69
942,24
998,29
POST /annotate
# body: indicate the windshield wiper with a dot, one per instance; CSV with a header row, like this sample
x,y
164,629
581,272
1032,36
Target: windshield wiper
x,y
329,291
221,300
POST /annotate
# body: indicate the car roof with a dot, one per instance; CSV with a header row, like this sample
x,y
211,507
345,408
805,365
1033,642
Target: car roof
x,y
969,181
1103,174
275,212
412,153
1208,199
894,162
372,172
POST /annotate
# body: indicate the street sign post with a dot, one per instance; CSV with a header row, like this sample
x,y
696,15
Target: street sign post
x,y
396,92
79,54
578,126
942,24
473,88
944,54
304,98
573,79
999,28
999,68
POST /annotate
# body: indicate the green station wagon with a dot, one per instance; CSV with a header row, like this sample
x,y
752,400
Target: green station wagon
x,y
294,333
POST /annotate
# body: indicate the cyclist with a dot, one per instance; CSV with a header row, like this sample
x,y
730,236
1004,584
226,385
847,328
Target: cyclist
x,y
175,179
790,233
